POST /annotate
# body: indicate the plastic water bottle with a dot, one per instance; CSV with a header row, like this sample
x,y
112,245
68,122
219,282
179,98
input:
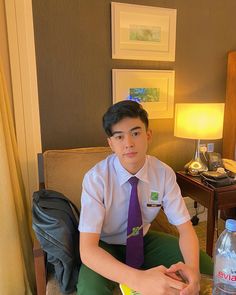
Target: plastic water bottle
x,y
225,261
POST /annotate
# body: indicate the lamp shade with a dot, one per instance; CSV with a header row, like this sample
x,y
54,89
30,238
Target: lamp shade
x,y
199,120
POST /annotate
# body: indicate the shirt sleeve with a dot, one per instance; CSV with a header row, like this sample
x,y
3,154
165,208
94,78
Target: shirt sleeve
x,y
173,202
92,205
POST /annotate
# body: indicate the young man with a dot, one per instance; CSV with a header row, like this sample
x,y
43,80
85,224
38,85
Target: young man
x,y
104,216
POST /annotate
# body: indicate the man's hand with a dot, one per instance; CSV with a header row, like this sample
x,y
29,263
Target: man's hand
x,y
155,281
191,276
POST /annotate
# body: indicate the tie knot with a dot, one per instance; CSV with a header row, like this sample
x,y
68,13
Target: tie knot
x,y
133,180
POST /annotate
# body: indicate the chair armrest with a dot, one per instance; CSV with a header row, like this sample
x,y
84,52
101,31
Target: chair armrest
x,y
40,268
41,185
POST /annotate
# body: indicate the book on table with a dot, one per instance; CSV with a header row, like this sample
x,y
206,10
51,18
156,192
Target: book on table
x,y
127,291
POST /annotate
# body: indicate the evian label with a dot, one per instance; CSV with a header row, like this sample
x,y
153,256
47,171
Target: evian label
x,y
225,270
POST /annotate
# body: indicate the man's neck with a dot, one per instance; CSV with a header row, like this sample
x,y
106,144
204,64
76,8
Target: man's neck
x,y
134,168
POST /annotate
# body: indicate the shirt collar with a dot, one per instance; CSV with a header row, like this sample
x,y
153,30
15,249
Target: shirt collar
x,y
123,175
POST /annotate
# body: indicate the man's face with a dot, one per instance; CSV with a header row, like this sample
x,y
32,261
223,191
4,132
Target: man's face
x,y
129,141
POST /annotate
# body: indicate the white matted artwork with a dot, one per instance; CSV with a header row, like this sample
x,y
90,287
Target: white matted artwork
x,y
143,32
154,89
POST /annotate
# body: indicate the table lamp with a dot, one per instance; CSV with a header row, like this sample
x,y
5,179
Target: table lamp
x,y
198,121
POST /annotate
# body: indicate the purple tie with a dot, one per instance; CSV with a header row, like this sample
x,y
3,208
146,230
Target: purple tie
x,y
134,245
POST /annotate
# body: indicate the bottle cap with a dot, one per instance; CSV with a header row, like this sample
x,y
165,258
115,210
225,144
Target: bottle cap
x,y
230,224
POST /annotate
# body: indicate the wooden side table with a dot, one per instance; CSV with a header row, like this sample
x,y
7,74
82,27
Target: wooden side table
x,y
213,199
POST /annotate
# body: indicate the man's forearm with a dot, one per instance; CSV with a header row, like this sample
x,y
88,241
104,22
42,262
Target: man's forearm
x,y
190,253
106,265
189,246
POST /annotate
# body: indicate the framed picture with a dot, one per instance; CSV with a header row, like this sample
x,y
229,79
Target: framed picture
x,y
143,32
153,89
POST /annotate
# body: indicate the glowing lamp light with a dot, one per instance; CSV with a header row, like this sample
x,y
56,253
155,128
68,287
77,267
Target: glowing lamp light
x,y
198,121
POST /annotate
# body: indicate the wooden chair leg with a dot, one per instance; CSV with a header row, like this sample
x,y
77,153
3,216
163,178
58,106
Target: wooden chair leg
x,y
40,269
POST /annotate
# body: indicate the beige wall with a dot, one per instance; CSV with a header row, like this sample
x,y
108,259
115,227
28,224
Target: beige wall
x,y
4,53
73,52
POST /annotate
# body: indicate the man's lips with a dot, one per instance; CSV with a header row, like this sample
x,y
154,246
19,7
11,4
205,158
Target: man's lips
x,y
130,154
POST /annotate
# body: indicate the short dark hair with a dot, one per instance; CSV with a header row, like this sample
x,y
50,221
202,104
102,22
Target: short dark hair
x,y
121,110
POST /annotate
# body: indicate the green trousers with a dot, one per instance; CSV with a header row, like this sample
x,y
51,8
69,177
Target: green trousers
x,y
159,249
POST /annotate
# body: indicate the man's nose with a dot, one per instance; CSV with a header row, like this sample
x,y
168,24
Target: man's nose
x,y
129,141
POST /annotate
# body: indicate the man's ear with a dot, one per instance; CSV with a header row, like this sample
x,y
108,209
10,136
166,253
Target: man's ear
x,y
149,135
110,143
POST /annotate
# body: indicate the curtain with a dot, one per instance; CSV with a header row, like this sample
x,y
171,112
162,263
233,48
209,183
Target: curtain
x,y
16,257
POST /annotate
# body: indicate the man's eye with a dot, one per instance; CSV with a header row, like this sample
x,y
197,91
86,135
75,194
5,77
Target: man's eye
x,y
135,133
118,137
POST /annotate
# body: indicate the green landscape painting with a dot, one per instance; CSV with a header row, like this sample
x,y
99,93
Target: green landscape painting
x,y
144,94
144,33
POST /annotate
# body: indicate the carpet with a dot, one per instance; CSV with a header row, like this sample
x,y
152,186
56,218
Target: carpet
x,y
201,232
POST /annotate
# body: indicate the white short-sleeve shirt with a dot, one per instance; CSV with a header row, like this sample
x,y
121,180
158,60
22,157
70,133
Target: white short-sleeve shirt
x,y
106,193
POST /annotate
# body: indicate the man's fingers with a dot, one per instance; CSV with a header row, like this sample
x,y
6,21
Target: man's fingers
x,y
176,267
181,270
189,291
176,284
174,276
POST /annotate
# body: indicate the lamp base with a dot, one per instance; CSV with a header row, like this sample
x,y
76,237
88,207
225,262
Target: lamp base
x,y
195,167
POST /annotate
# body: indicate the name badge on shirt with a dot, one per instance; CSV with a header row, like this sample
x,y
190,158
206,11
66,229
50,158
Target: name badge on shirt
x,y
153,199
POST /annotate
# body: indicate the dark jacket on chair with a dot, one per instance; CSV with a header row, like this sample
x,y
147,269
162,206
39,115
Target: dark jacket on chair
x,y
55,222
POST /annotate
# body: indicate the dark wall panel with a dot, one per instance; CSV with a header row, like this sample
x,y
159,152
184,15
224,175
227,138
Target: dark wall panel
x,y
73,53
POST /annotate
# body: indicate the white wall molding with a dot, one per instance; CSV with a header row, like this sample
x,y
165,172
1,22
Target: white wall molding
x,y
24,85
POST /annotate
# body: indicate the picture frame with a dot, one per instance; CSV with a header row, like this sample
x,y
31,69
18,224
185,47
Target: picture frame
x,y
154,89
143,32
